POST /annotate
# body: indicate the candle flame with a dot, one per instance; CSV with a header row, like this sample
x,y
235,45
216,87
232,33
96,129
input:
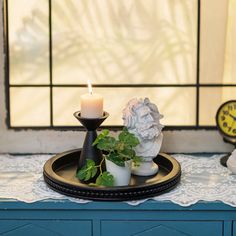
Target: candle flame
x,y
90,87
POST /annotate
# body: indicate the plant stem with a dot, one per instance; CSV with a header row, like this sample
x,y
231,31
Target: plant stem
x,y
100,165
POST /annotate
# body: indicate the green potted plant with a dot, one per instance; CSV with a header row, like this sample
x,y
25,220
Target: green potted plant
x,y
118,155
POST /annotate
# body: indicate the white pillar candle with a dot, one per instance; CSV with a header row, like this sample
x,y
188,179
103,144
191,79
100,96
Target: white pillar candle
x,y
91,104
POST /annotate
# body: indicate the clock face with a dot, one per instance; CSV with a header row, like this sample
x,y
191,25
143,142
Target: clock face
x,y
226,119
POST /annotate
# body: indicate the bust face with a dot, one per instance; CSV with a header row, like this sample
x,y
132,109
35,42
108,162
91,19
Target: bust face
x,y
145,115
142,117
145,123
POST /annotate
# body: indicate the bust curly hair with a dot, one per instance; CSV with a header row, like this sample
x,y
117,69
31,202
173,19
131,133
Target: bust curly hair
x,y
142,118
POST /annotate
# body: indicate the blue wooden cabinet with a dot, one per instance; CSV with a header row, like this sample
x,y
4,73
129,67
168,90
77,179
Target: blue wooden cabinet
x,y
116,218
234,228
45,227
166,228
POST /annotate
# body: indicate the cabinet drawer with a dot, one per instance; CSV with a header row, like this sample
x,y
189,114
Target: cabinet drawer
x,y
167,228
45,228
234,228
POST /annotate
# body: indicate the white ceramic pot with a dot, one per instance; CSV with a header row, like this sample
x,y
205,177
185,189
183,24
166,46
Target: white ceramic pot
x,y
121,174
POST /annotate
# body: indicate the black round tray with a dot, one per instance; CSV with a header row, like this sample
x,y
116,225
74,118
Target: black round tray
x,y
59,174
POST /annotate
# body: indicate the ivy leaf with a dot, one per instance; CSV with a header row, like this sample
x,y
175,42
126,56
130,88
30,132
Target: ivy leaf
x,y
87,176
106,143
116,158
90,163
93,172
88,171
81,174
137,160
105,179
119,146
127,153
102,135
128,138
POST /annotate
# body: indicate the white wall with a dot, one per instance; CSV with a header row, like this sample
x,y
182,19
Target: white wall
x,y
45,141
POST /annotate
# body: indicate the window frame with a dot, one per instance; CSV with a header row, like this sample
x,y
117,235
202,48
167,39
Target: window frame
x,y
37,140
51,85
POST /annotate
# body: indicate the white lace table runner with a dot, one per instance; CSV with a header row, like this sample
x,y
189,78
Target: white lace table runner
x,y
203,178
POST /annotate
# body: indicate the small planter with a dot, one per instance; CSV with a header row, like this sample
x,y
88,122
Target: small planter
x,y
121,174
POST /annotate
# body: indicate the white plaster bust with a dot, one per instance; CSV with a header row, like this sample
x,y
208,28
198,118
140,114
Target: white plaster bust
x,y
142,118
231,162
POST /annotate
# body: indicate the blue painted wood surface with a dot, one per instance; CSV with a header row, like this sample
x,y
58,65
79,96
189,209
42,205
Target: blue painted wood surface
x,y
234,228
45,227
116,218
165,228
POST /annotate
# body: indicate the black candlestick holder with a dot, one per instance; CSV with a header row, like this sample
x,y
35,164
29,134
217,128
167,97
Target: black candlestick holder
x,y
89,151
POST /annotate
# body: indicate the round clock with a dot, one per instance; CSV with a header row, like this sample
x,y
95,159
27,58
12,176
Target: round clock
x,y
226,124
226,120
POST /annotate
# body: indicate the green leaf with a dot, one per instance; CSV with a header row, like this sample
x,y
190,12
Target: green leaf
x,y
87,176
123,136
106,144
90,163
102,135
128,153
88,171
119,146
116,158
137,160
81,174
93,172
105,179
128,138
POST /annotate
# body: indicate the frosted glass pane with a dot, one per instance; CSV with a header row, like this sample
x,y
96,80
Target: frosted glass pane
x,y
176,104
218,57
29,107
124,42
211,99
230,52
28,41
214,16
66,101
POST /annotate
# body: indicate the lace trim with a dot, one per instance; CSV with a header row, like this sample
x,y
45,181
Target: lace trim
x,y
203,178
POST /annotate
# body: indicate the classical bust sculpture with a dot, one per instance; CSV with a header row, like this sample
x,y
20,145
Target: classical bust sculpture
x,y
142,118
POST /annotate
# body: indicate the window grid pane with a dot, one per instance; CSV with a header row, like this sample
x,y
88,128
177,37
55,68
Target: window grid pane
x,y
127,63
183,104
28,42
28,108
117,42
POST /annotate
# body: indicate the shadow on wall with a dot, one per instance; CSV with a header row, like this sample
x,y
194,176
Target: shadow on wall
x,y
115,42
